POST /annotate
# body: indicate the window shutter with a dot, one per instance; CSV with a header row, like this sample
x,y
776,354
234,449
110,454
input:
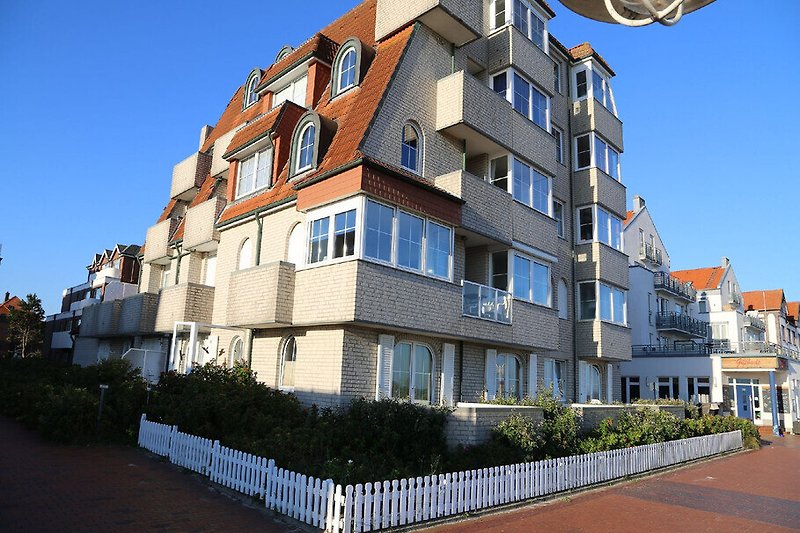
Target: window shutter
x,y
609,383
383,387
448,366
548,374
584,378
533,370
491,374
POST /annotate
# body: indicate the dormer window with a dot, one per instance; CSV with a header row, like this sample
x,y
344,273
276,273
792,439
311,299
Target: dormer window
x,y
255,173
305,154
283,52
250,95
350,66
295,92
347,70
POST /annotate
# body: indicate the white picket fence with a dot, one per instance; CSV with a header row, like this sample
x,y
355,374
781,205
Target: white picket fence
x,y
379,505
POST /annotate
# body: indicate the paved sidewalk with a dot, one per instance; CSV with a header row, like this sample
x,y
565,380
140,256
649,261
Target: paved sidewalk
x,y
754,491
44,487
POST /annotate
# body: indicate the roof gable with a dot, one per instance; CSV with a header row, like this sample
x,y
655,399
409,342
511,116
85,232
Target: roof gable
x,y
771,300
701,278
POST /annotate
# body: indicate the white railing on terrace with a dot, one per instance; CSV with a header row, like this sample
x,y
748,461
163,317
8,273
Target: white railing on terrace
x,y
385,504
486,303
149,362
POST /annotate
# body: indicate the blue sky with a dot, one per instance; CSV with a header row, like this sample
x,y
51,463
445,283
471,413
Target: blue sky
x,y
98,100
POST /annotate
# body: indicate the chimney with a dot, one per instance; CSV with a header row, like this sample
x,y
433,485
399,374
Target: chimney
x,y
725,261
205,131
638,203
8,296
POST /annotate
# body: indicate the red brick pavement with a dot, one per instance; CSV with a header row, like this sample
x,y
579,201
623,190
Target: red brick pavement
x,y
754,491
44,487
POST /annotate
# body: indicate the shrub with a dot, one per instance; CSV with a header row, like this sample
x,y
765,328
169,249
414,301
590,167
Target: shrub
x,y
645,426
689,410
70,415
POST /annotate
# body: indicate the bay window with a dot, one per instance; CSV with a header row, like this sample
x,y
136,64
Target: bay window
x,y
592,80
591,150
527,18
332,236
254,173
526,278
527,185
344,236
524,97
409,241
318,241
597,224
379,226
613,306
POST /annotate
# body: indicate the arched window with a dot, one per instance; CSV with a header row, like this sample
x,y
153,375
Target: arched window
x,y
250,95
305,150
412,367
237,351
563,300
288,358
245,255
508,376
410,152
346,71
594,382
283,52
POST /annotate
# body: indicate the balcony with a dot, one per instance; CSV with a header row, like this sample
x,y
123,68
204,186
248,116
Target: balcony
x,y
664,282
138,314
102,276
156,250
188,176
753,322
81,304
486,303
101,320
458,21
595,338
734,299
677,349
263,296
200,233
651,254
471,111
62,340
591,115
684,324
187,302
510,48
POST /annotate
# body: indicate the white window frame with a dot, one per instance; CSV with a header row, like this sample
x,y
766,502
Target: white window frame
x,y
594,160
239,256
506,373
558,135
237,340
510,181
596,210
284,344
561,223
591,68
598,303
292,88
533,11
627,383
532,86
329,212
418,158
299,149
257,158
531,270
340,70
412,370
250,94
558,385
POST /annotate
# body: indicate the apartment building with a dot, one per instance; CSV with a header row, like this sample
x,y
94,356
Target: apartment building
x,y
112,276
669,334
423,200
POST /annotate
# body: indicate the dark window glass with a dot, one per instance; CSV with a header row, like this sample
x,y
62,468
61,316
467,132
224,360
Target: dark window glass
x,y
584,151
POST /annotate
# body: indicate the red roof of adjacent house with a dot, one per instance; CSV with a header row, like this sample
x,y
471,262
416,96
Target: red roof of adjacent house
x,y
794,310
701,278
582,51
8,305
629,216
771,300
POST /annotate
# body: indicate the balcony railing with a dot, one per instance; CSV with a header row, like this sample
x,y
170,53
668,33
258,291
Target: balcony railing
x,y
752,347
754,322
664,281
648,252
486,303
677,349
734,298
682,323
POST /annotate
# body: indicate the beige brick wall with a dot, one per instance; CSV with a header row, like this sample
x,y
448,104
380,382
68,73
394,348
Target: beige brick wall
x,y
150,279
138,314
592,415
469,425
602,339
487,210
157,241
189,173
261,295
325,295
199,224
392,15
187,302
510,48
598,261
219,165
589,115
230,242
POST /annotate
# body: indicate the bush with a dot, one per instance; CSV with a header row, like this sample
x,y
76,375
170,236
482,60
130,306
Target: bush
x,y
645,426
689,410
709,424
70,415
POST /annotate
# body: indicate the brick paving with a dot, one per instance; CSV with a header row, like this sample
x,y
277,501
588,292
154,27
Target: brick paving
x,y
45,487
754,491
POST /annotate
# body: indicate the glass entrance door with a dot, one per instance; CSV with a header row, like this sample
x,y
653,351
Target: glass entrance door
x,y
744,401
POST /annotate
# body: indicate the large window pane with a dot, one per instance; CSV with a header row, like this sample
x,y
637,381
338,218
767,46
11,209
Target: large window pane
x,y
539,108
409,157
422,373
619,306
401,371
600,154
541,192
605,302
498,172
344,239
522,278
598,88
584,155
499,13
347,70
616,233
264,170
318,247
246,176
588,300
541,284
580,84
305,156
603,223
409,241
522,182
378,238
586,222
613,163
500,84
500,270
537,31
522,95
437,258
521,17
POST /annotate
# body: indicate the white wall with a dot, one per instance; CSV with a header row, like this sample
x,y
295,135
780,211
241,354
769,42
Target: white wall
x,y
650,368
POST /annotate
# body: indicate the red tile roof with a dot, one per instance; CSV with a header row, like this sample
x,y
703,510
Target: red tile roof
x,y
701,278
582,51
262,125
794,310
319,46
629,216
771,300
8,305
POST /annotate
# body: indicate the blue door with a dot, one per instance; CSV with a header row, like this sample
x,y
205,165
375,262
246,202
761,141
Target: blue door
x,y
744,402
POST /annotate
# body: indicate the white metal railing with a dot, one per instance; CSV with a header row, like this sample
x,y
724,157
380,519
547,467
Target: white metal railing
x,y
140,357
385,504
486,303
